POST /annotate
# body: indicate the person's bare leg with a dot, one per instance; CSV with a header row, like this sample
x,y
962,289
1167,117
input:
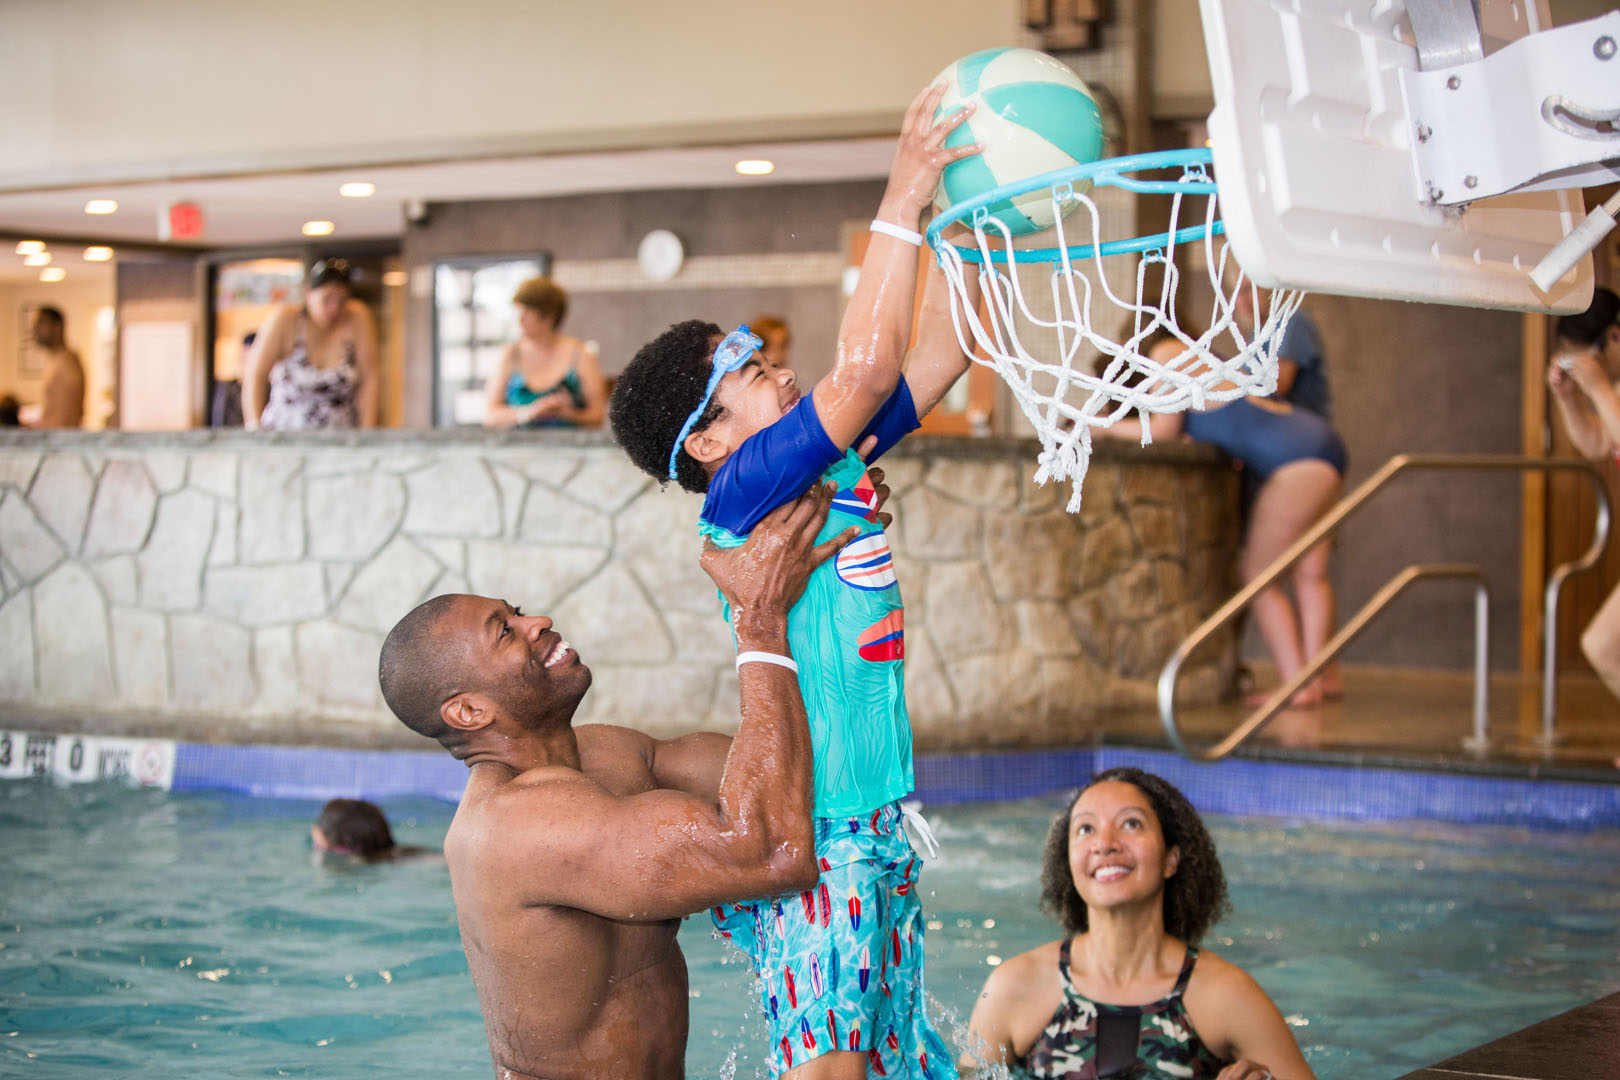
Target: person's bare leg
x,y
1290,502
1600,643
834,1065
1313,591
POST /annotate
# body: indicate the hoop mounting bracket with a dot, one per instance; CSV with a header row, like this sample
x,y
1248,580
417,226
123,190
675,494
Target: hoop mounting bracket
x,y
1543,112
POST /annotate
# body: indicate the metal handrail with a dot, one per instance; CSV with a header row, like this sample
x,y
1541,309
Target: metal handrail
x,y
1386,595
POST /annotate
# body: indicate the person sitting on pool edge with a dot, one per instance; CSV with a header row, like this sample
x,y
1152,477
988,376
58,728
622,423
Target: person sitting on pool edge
x,y
1132,874
576,851
358,829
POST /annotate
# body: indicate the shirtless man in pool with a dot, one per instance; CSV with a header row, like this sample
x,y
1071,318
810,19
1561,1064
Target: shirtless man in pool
x,y
575,852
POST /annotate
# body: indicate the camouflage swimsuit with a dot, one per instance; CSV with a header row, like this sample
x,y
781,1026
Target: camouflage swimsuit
x,y
1088,1040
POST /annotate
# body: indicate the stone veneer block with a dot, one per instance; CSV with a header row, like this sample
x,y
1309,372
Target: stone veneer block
x,y
140,642
928,691
338,575
901,473
452,554
121,515
609,619
700,638
352,515
271,526
1033,556
276,668
608,482
931,526
212,662
1109,548
989,484
1102,487
26,543
61,495
452,497
118,580
215,473
526,575
337,666
1151,484
17,658
1135,592
168,469
963,618
265,595
547,467
389,586
995,692
171,565
222,552
1045,629
513,486
550,518
70,637
658,539
17,469
1158,529
662,700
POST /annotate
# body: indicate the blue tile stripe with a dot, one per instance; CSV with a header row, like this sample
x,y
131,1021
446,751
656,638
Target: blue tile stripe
x,y
1239,787
297,772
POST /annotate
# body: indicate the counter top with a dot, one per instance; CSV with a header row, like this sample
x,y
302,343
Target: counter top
x,y
1114,451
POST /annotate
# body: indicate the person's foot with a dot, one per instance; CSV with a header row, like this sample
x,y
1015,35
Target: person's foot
x,y
1307,697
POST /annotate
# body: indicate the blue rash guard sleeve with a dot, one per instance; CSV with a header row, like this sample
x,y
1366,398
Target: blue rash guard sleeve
x,y
782,461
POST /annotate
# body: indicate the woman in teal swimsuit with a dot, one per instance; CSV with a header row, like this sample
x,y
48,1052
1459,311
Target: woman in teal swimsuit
x,y
1131,872
546,379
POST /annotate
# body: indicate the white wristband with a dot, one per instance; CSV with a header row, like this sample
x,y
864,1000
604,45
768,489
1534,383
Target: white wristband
x,y
766,658
898,232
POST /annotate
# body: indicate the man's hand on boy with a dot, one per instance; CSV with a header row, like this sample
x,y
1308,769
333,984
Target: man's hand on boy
x,y
875,474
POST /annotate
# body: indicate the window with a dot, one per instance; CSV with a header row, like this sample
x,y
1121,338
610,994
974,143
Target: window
x,y
473,323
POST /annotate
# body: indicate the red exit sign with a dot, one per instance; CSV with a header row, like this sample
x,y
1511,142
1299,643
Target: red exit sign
x,y
180,221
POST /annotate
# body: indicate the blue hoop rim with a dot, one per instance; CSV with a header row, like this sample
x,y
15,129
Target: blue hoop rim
x,y
1110,172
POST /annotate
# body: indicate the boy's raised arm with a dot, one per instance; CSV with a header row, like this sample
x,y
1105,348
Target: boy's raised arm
x,y
877,323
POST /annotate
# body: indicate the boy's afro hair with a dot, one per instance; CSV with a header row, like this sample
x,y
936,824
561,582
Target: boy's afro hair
x,y
657,392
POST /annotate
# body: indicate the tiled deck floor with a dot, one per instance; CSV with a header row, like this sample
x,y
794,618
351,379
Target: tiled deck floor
x,y
1419,718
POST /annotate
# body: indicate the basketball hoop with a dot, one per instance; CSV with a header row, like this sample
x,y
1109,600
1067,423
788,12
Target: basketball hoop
x,y
1035,351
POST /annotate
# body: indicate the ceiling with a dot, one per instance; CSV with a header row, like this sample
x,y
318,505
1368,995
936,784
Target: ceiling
x,y
269,209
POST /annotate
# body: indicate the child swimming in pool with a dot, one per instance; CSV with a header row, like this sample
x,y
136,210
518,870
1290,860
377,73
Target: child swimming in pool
x,y
840,965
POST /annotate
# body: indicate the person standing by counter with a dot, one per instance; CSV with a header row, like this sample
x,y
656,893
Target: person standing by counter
x,y
546,378
62,399
315,365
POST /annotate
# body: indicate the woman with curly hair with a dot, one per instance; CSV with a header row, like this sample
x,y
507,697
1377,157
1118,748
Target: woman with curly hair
x,y
1131,873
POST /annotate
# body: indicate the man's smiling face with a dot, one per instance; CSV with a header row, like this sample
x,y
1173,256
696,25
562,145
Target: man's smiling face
x,y
518,660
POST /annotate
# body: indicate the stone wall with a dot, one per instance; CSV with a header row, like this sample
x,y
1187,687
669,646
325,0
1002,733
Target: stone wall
x,y
237,586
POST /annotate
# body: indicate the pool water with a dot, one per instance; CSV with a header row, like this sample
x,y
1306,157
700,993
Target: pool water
x,y
145,935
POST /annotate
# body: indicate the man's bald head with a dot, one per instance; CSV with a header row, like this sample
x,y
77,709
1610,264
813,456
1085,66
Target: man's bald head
x,y
422,666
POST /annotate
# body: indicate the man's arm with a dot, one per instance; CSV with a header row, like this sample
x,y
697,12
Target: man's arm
x,y
667,853
1287,372
877,322
1593,423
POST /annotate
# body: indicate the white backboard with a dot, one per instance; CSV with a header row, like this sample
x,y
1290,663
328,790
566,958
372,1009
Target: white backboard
x,y
1312,150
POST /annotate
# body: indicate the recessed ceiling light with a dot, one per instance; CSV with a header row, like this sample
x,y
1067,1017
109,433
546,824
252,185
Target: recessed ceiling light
x,y
52,273
97,254
101,206
357,189
756,167
30,247
318,228
395,278
38,258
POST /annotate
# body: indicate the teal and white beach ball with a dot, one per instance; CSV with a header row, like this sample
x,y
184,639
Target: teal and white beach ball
x,y
1033,115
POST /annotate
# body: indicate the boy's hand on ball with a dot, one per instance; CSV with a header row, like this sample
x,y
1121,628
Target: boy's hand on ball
x,y
921,156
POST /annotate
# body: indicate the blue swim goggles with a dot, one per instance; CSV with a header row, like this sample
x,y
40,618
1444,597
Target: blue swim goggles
x,y
730,355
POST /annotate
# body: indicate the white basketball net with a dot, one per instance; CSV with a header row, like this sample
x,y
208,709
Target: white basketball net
x,y
1063,401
